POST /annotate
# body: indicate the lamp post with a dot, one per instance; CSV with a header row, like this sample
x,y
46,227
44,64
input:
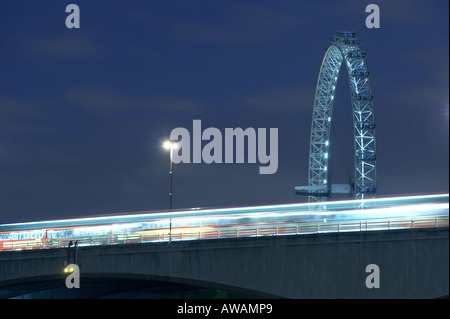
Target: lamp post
x,y
168,145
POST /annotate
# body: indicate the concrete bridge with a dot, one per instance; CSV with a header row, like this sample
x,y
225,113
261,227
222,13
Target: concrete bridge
x,y
413,264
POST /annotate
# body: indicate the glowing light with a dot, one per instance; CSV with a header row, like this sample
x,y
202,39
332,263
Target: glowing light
x,y
246,209
68,270
167,145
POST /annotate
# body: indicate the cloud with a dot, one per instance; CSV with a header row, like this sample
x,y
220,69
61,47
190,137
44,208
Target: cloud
x,y
65,46
15,113
405,12
433,60
246,24
16,108
6,151
408,12
282,99
105,101
24,130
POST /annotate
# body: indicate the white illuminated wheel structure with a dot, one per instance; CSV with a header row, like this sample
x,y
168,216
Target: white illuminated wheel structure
x,y
345,49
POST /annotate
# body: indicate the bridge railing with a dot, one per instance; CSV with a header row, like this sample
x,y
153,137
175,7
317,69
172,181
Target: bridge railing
x,y
237,231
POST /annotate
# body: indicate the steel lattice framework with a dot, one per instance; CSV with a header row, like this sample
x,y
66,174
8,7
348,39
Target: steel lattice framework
x,y
344,48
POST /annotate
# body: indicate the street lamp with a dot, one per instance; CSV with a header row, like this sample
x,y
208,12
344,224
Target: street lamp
x,y
168,145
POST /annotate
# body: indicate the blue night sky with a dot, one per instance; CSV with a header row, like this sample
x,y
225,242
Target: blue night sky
x,y
83,112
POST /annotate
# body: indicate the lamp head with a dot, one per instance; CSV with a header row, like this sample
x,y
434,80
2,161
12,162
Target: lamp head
x,y
168,145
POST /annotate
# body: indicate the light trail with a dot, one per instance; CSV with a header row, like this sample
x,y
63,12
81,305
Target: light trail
x,y
288,219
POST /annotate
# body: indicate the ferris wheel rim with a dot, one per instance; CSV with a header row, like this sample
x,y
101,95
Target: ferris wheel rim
x,y
344,48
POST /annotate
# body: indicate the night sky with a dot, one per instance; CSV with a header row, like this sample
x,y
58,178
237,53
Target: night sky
x,y
83,112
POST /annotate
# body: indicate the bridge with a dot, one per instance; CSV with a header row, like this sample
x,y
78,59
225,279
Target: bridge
x,y
314,250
